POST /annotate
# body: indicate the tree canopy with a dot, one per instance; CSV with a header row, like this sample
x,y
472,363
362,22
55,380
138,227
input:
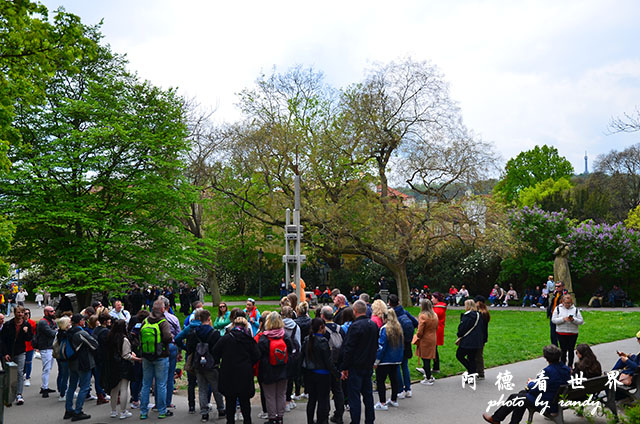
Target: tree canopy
x,y
529,168
96,179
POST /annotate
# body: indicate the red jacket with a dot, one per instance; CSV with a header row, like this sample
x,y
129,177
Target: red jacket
x,y
440,309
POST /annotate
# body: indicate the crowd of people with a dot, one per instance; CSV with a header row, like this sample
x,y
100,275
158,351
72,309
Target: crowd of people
x,y
296,352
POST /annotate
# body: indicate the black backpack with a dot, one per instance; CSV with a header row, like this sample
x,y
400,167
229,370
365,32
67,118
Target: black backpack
x,y
202,357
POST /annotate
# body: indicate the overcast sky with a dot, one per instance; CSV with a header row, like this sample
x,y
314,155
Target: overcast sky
x,y
524,72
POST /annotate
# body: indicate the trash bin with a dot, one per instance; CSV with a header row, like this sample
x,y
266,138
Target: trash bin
x,y
8,386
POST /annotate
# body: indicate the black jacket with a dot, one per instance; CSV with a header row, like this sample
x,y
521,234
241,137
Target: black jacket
x,y
268,373
46,330
475,339
317,356
304,322
85,346
100,334
360,346
238,352
14,344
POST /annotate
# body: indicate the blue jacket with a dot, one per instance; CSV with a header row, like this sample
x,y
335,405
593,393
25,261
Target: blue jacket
x,y
399,310
628,367
185,332
388,354
558,374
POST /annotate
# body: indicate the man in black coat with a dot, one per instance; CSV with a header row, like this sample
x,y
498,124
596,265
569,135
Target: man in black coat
x,y
15,334
359,353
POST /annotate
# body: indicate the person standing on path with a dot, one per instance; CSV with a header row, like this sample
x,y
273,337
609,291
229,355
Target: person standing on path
x,y
426,339
46,330
486,317
359,351
567,319
440,308
469,336
15,335
555,298
80,367
155,360
237,352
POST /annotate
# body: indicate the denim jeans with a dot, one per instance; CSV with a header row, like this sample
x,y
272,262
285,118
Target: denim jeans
x,y
28,363
157,368
359,383
173,358
97,374
552,333
82,378
20,360
404,377
62,382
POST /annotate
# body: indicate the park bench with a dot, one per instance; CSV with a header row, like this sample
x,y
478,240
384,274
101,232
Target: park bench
x,y
631,392
596,386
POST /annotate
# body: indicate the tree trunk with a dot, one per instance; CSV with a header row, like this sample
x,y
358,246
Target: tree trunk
x,y
402,283
214,287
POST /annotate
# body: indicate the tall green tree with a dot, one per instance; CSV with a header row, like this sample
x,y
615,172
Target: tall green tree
x,y
31,49
529,168
96,181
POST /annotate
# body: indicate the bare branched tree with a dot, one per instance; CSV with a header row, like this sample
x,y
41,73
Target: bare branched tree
x,y
625,123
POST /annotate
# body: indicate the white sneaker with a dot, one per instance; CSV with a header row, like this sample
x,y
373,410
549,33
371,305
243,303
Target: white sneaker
x,y
347,407
408,394
114,414
287,408
107,397
19,400
428,381
304,396
380,407
263,415
238,416
292,404
92,397
125,414
62,398
37,355
401,395
27,382
420,370
135,405
392,403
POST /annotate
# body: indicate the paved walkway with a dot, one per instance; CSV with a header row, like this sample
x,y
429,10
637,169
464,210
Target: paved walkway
x,y
444,402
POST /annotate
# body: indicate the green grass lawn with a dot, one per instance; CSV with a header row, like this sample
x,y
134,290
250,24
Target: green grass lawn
x,y
516,335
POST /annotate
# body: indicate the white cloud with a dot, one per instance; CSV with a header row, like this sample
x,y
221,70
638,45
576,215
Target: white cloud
x,y
525,72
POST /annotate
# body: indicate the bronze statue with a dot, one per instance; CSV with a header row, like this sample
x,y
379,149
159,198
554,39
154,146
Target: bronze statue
x,y
561,264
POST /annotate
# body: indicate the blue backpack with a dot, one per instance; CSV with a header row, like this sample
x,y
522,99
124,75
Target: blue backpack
x,y
63,349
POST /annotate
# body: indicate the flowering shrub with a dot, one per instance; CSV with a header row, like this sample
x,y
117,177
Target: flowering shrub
x,y
611,250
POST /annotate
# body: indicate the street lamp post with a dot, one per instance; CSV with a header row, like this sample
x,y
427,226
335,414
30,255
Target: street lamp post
x,y
260,254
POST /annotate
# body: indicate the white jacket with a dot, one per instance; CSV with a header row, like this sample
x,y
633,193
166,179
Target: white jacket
x,y
562,326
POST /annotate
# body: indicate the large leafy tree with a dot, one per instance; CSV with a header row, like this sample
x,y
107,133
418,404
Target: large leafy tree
x,y
529,168
96,181
31,48
345,145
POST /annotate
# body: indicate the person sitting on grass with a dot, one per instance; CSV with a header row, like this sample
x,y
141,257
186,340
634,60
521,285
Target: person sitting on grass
x,y
556,373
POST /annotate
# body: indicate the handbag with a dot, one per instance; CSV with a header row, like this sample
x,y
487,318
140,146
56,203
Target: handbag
x,y
188,363
459,339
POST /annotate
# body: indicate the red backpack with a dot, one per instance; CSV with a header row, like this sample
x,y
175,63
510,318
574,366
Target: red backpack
x,y
278,354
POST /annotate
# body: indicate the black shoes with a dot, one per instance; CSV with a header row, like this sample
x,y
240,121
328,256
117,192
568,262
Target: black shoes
x,y
205,418
79,417
68,414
